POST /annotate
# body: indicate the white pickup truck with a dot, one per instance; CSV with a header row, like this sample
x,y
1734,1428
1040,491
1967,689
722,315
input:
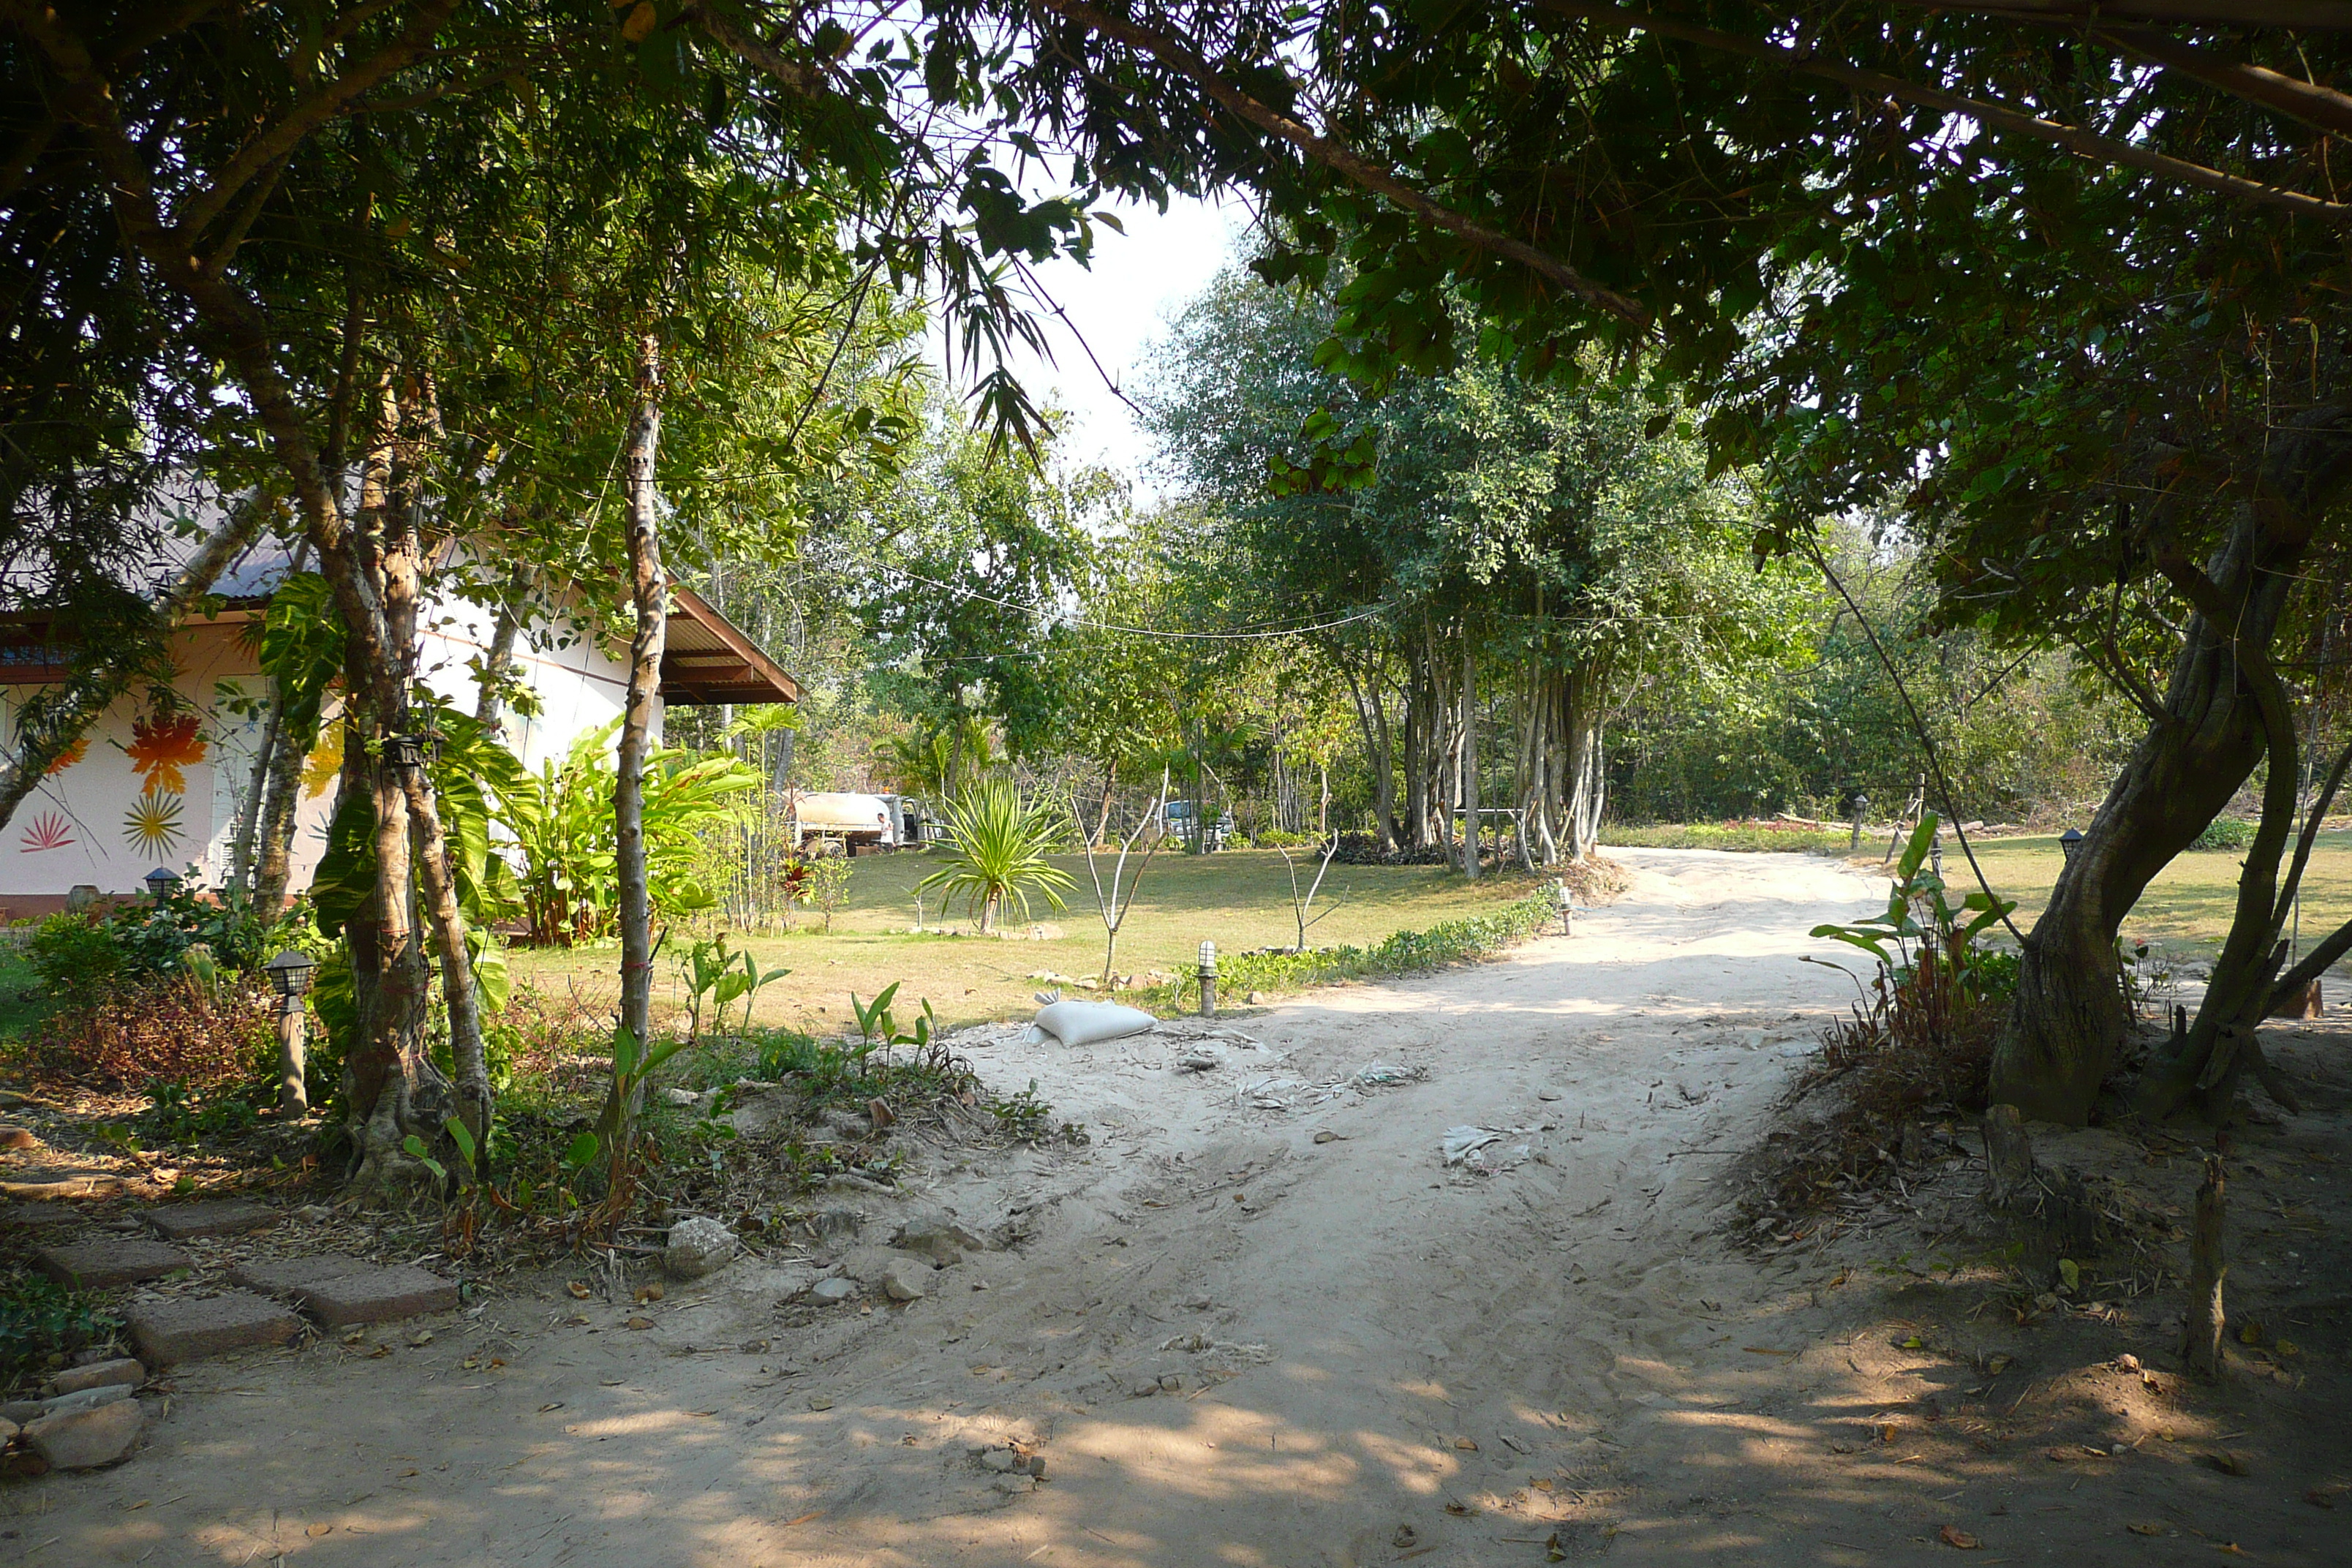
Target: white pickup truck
x,y
860,823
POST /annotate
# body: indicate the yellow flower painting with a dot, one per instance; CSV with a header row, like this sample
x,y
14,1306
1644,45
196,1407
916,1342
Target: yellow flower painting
x,y
153,825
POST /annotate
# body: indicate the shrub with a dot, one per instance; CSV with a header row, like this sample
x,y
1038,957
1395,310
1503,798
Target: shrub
x,y
75,956
1923,1033
179,1031
42,1322
996,851
82,956
2227,833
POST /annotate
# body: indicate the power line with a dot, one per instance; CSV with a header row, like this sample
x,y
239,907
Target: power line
x,y
1247,636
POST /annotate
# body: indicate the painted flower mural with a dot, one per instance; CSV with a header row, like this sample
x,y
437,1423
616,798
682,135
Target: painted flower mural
x,y
154,823
49,830
163,744
69,756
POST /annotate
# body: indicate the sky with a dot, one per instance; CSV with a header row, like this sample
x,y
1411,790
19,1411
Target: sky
x,y
1139,281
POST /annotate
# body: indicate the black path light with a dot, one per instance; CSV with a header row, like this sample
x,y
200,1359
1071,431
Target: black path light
x,y
290,973
162,884
1208,979
1567,901
2070,841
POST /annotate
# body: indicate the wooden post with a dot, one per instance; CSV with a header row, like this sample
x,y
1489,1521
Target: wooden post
x,y
2009,1158
2208,1264
293,1094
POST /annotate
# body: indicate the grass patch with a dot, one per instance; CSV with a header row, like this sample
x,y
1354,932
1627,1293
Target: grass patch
x,y
1401,952
1742,835
2186,911
1240,900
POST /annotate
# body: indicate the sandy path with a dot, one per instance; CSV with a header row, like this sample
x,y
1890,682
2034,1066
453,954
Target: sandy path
x,y
1394,1350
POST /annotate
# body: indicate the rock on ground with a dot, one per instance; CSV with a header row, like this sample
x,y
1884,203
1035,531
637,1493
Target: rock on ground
x,y
696,1247
85,1438
98,1375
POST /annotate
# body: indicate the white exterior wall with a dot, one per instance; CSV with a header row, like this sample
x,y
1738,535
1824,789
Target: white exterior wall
x,y
78,826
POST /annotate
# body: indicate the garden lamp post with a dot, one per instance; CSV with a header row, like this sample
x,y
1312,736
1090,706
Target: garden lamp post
x,y
1935,853
1208,980
290,973
1567,901
2070,841
1861,811
161,883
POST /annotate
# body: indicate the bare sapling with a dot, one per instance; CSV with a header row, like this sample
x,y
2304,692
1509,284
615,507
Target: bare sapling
x,y
1113,903
1302,907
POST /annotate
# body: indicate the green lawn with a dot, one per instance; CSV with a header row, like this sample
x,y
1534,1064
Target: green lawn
x,y
1239,899
2186,910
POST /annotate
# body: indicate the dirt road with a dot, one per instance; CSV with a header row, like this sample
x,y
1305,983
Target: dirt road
x,y
1230,1343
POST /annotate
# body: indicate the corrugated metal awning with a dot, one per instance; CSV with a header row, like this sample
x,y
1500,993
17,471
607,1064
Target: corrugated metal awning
x,y
706,659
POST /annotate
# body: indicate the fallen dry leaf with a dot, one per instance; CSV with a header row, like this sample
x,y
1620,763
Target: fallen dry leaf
x,y
557,1404
580,1287
641,1322
802,1520
1467,1445
1460,1510
1953,1535
319,1530
2230,1462
2147,1530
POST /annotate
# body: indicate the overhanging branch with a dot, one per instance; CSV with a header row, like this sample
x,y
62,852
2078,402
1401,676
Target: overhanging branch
x,y
1341,158
1993,115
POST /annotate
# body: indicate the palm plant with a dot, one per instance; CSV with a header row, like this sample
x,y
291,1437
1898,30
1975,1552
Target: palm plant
x,y
996,844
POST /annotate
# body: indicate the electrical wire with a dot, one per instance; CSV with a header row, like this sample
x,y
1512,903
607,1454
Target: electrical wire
x,y
1264,635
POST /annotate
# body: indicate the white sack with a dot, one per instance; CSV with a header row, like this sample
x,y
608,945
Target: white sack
x,y
1083,1023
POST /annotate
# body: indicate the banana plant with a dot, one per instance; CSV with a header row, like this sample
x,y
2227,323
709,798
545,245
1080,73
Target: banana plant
x,y
1919,917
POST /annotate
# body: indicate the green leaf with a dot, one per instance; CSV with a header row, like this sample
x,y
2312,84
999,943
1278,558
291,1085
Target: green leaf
x,y
581,1151
424,1156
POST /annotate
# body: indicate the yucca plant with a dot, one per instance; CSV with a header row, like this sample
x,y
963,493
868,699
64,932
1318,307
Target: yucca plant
x,y
996,844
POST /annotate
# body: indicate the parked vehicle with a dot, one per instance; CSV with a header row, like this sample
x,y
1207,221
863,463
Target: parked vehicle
x,y
1183,824
859,823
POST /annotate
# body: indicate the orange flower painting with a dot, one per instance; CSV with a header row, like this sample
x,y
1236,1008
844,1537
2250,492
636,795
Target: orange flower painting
x,y
160,746
69,756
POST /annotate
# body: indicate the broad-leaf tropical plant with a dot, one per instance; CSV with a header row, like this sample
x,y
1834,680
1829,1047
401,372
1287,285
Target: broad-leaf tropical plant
x,y
996,846
1920,922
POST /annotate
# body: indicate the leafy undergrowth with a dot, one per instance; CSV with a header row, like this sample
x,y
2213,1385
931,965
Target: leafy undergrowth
x,y
1911,1058
1404,952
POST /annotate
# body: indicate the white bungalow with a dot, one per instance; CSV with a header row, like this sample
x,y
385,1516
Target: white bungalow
x,y
144,791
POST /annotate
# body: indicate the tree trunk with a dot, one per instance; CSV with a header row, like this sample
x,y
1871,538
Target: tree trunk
x,y
1420,747
2068,1015
489,704
476,1102
1584,784
1372,717
281,800
395,1090
244,846
648,594
2209,1266
1470,782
